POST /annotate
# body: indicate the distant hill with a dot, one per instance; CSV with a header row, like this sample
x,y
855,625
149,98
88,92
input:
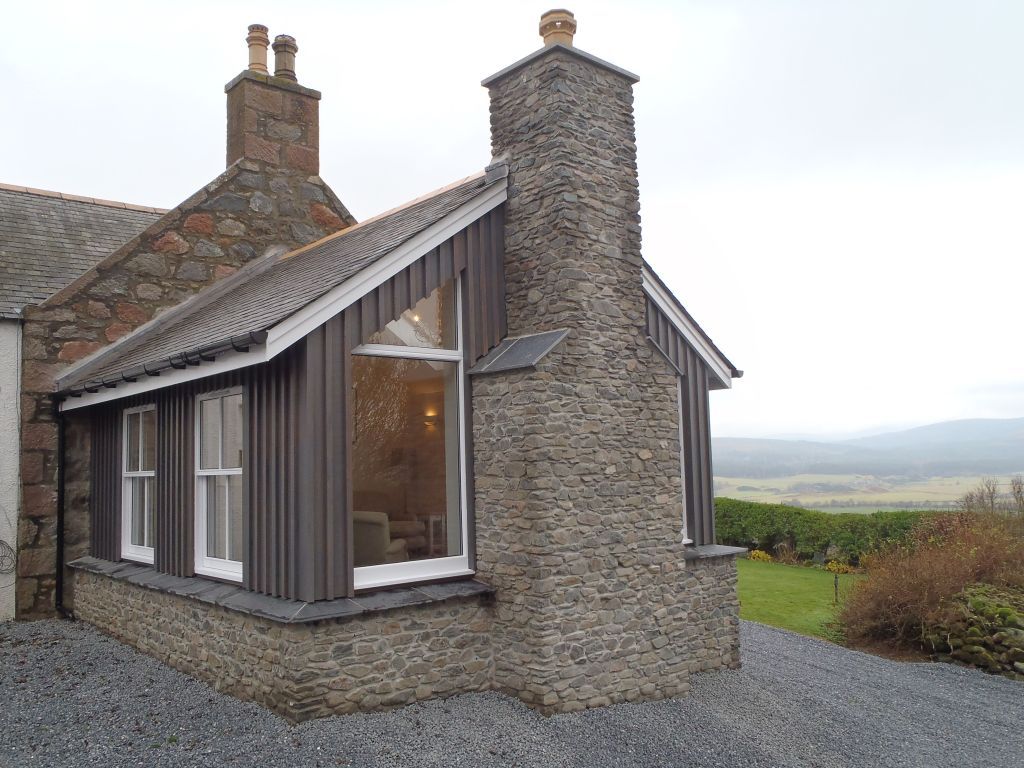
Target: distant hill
x,y
965,447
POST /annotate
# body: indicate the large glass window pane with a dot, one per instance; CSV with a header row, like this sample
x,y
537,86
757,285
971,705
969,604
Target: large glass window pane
x,y
137,486
148,440
131,459
232,431
209,433
405,460
235,517
216,516
150,511
430,323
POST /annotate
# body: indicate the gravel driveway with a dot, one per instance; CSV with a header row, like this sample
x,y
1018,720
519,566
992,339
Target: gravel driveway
x,y
72,697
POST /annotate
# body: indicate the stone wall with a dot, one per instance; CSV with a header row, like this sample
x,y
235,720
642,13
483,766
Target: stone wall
x,y
387,659
372,662
577,464
236,218
713,632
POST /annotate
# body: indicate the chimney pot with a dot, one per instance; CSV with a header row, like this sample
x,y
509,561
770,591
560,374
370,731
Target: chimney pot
x,y
557,27
285,49
258,42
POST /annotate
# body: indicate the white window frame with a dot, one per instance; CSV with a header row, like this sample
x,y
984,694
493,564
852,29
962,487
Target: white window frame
x,y
680,394
131,551
215,567
389,574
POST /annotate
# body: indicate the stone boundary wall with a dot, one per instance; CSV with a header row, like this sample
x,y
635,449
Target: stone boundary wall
x,y
384,660
372,662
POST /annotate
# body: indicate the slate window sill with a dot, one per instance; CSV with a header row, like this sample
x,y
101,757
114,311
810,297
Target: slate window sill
x,y
708,551
279,609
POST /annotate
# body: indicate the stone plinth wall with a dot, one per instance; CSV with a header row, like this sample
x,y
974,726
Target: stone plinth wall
x,y
714,614
371,662
383,660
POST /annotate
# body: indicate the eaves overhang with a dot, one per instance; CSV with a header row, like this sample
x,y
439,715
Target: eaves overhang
x,y
718,364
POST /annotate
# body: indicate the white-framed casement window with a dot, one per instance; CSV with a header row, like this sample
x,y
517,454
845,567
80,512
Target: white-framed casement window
x,y
408,447
138,484
218,542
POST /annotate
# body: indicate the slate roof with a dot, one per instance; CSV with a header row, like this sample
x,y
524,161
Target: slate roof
x,y
47,239
237,311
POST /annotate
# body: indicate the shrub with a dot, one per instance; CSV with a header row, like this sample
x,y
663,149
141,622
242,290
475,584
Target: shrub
x,y
836,566
912,587
760,556
808,532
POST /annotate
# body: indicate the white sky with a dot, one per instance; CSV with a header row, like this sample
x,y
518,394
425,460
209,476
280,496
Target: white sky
x,y
834,188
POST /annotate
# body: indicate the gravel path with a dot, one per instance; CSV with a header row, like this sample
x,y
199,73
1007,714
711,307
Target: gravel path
x,y
72,697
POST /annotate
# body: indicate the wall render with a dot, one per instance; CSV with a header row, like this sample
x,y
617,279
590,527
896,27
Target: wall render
x,y
10,440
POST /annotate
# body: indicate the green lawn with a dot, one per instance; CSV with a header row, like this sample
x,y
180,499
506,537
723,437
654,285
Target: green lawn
x,y
791,597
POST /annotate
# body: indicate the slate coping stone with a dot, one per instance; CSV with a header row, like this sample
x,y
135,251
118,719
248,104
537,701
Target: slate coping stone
x,y
707,551
283,610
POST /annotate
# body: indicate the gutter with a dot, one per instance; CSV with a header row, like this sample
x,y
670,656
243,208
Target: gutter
x,y
206,353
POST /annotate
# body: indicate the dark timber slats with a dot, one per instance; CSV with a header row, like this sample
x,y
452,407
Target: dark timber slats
x,y
297,431
105,490
175,483
322,541
695,433
664,335
696,436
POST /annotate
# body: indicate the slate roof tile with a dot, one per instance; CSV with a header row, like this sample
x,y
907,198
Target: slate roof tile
x,y
47,240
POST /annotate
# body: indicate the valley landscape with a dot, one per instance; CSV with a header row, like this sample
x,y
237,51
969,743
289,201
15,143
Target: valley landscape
x,y
928,467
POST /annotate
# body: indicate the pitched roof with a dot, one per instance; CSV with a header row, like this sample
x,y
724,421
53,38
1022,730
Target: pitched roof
x,y
47,239
236,312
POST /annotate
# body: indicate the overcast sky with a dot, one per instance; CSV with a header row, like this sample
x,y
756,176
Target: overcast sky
x,y
835,189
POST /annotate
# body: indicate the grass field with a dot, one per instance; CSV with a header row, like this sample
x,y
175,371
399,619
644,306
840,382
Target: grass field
x,y
791,597
851,493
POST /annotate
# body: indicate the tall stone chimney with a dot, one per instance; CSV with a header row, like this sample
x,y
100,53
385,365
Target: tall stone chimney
x,y
271,118
578,497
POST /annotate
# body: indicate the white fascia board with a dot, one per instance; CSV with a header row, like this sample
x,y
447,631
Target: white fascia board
x,y
229,361
313,315
298,325
685,326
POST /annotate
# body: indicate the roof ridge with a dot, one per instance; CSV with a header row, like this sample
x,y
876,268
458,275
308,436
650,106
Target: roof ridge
x,y
389,212
80,199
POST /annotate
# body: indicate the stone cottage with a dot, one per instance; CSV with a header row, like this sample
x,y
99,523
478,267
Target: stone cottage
x,y
338,466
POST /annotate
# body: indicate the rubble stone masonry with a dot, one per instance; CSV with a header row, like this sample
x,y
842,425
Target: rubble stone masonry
x,y
577,464
375,661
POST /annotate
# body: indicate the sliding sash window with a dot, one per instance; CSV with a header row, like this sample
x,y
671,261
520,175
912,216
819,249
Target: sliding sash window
x,y
138,484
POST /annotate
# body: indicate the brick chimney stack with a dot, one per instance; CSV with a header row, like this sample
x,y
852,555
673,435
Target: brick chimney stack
x,y
271,118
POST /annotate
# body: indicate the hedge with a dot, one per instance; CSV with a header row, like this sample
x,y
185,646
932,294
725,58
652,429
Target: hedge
x,y
810,532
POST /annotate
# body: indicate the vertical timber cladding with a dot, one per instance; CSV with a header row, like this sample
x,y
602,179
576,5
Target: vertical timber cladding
x,y
105,488
297,431
696,431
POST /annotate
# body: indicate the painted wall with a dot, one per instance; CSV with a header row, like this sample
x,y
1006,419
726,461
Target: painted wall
x,y
10,401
